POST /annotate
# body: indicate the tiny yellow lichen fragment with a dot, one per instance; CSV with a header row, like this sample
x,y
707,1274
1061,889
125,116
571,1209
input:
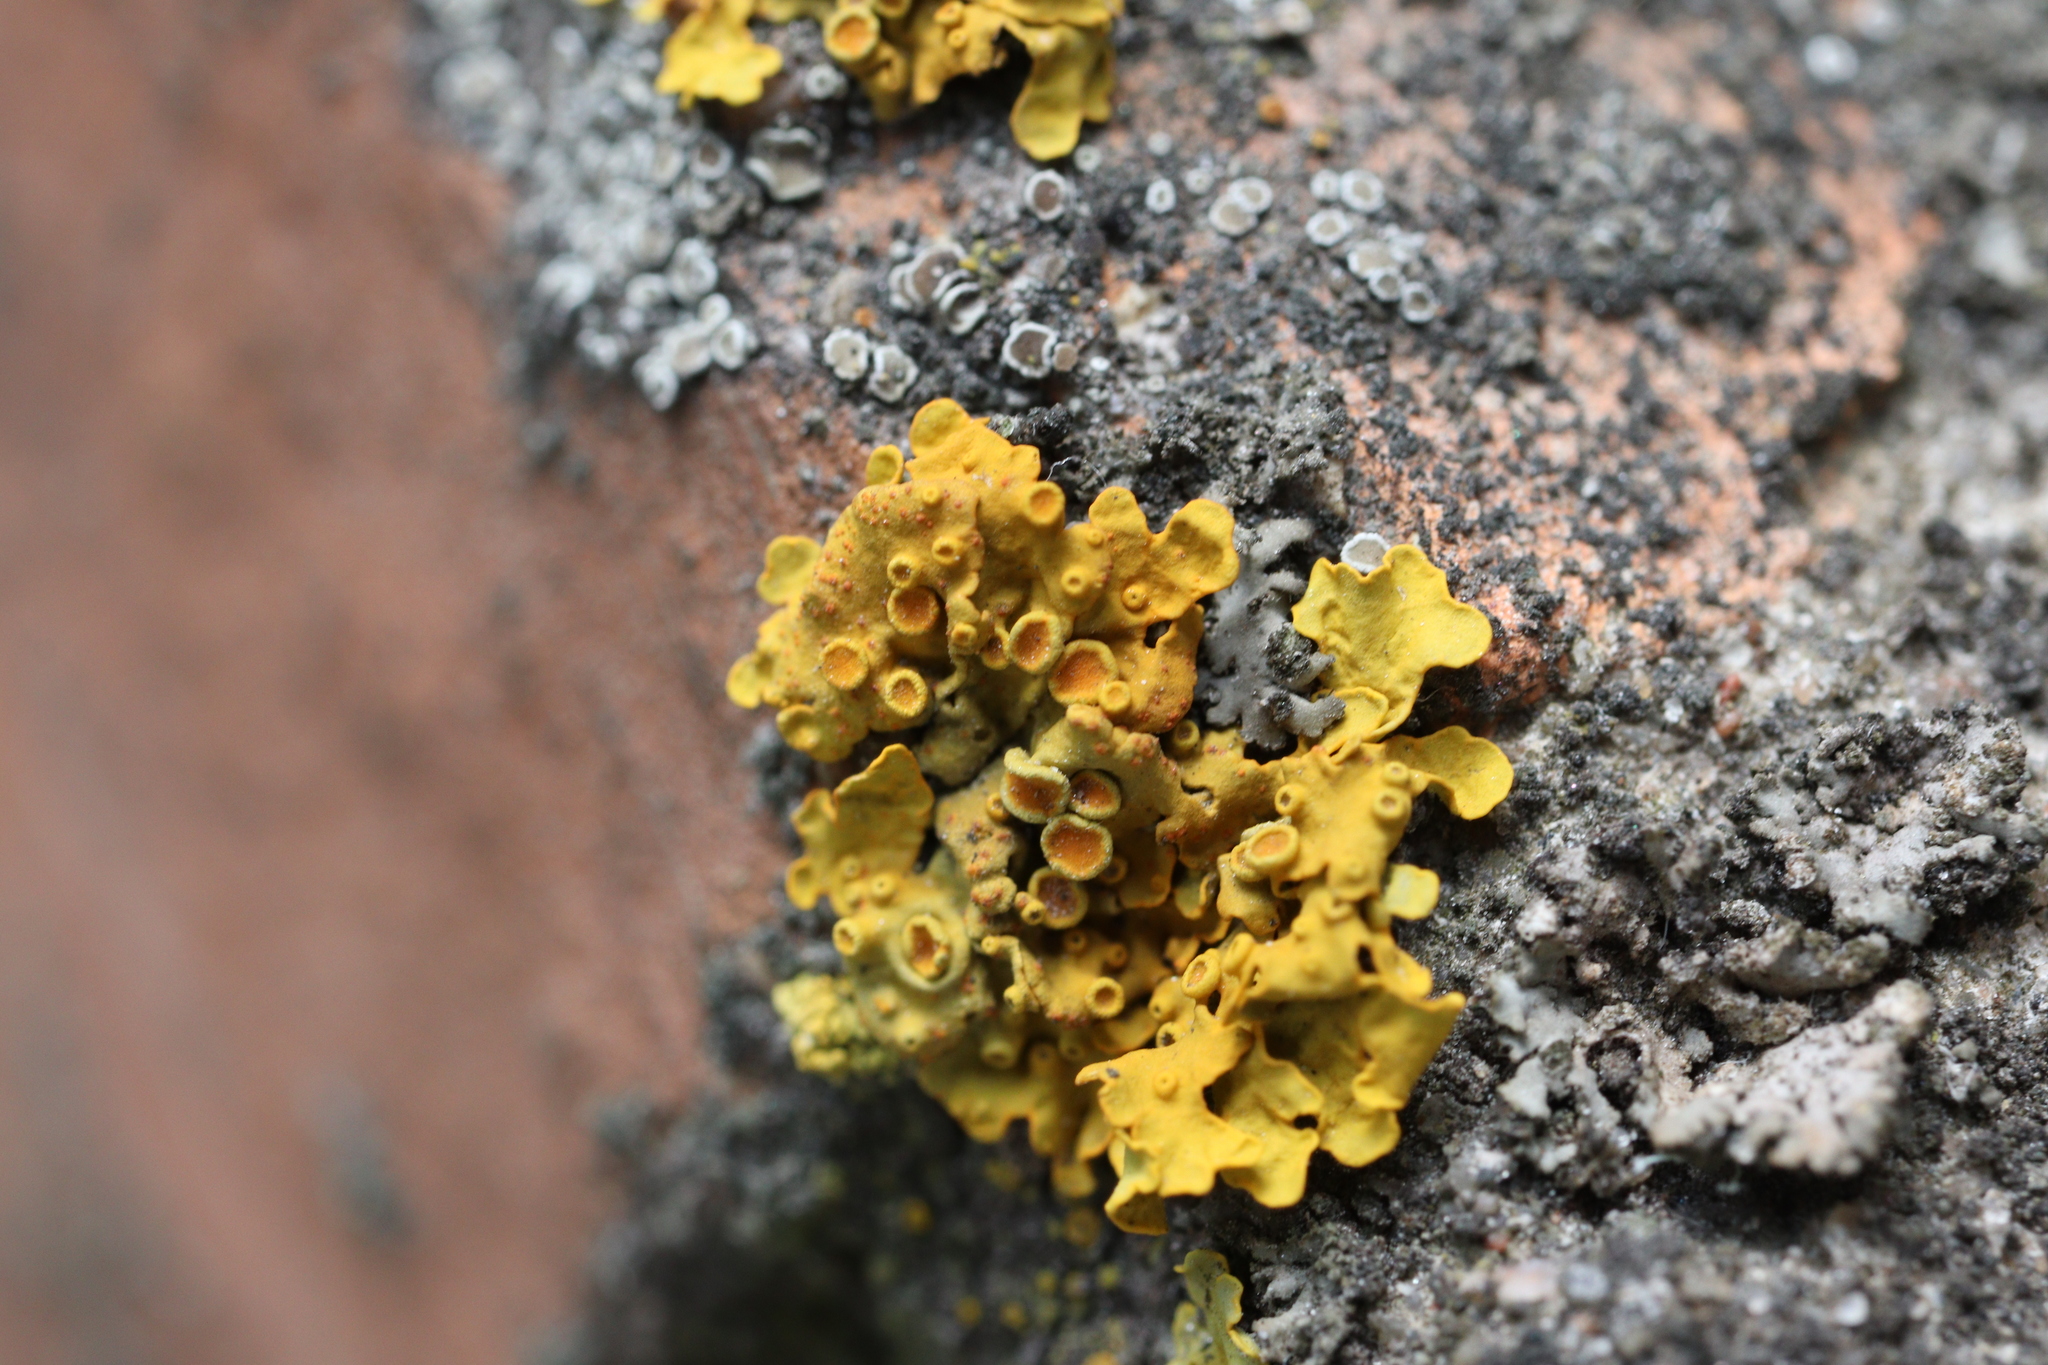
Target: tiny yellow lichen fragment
x,y
1205,1328
1409,892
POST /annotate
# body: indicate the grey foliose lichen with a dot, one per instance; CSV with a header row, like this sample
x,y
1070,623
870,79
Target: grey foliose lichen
x,y
1748,926
1257,665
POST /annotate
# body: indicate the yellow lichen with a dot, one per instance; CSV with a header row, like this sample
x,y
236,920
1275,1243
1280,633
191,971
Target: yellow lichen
x,y
1166,1141
903,52
712,55
1264,1096
1205,1327
826,1034
1130,936
915,981
1384,630
965,585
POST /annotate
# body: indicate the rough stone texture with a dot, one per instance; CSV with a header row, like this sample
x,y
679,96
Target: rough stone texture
x,y
1818,1103
1711,365
1719,387
370,790
1710,362
1662,268
339,757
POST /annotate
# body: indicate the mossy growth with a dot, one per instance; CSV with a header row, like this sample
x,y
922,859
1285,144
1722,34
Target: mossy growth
x,y
1129,935
903,52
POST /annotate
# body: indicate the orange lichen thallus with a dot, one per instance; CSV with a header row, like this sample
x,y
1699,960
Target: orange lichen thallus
x,y
1131,937
903,52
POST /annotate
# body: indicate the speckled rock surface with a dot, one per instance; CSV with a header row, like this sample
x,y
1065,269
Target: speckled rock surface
x,y
1707,344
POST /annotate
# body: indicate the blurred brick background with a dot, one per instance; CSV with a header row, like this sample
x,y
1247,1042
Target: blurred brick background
x,y
340,876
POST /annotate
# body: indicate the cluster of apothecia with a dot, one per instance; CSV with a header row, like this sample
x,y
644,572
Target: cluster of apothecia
x,y
1132,936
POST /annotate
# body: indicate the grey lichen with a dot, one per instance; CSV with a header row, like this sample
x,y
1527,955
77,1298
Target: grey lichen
x,y
1313,1287
1789,959
1821,1102
1897,822
619,190
1257,664
788,161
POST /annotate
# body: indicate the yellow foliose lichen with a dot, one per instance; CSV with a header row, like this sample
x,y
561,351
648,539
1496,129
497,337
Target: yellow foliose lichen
x,y
712,55
964,585
826,1034
915,981
903,52
1166,1141
1128,934
1385,629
